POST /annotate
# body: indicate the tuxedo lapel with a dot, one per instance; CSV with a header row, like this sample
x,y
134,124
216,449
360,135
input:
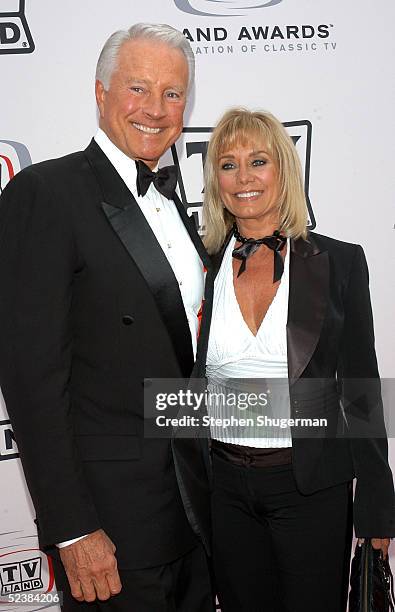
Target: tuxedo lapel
x,y
200,365
308,298
198,370
193,234
218,257
128,222
212,271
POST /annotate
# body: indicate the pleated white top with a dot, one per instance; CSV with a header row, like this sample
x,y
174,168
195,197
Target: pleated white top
x,y
235,353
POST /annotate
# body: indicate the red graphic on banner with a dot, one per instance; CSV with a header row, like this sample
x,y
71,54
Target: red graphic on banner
x,y
14,156
9,166
25,570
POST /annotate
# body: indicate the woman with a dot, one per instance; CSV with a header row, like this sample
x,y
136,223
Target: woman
x,y
288,304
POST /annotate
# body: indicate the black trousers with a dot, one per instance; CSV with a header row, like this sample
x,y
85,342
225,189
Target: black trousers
x,y
276,550
180,586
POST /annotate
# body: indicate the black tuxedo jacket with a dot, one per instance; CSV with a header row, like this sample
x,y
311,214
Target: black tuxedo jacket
x,y
333,373
90,308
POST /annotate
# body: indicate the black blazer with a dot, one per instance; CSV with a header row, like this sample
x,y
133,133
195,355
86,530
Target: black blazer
x,y
332,367
90,308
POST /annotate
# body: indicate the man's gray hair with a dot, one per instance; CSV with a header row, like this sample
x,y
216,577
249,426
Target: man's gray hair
x,y
159,32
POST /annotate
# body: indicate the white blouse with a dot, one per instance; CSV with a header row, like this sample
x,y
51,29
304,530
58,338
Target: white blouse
x,y
235,353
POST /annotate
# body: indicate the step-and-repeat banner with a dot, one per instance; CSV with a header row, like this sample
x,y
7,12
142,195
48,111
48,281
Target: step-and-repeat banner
x,y
324,68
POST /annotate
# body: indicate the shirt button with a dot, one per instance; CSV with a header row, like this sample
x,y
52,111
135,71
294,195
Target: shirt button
x,y
180,283
169,245
127,320
158,210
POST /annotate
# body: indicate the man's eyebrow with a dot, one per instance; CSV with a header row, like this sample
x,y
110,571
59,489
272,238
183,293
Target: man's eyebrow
x,y
177,87
139,81
136,80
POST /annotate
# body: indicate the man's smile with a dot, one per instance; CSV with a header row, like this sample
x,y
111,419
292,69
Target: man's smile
x,y
146,129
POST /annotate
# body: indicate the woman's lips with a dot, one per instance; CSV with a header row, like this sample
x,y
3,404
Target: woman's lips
x,y
248,195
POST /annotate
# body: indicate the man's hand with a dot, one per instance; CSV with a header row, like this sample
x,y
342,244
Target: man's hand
x,y
91,567
379,544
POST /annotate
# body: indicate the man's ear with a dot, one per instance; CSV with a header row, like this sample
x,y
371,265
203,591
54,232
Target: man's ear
x,y
100,96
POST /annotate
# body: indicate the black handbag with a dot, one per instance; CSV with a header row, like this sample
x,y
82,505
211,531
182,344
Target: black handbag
x,y
372,587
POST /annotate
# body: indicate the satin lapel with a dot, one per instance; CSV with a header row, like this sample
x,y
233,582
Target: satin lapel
x,y
200,364
192,231
216,260
218,257
131,227
198,370
308,298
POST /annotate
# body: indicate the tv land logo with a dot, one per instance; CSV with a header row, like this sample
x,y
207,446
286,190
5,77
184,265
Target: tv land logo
x,y
189,154
8,447
221,8
15,36
14,156
28,570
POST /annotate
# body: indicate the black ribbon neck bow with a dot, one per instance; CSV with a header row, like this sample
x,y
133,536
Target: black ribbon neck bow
x,y
165,180
276,242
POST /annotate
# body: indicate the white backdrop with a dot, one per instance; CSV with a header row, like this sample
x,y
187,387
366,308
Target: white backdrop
x,y
318,62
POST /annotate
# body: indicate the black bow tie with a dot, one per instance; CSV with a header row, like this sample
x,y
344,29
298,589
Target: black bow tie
x,y
165,180
276,242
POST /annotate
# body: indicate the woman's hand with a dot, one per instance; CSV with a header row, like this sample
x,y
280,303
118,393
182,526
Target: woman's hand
x,y
379,544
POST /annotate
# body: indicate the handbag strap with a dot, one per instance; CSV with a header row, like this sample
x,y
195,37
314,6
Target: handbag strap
x,y
389,579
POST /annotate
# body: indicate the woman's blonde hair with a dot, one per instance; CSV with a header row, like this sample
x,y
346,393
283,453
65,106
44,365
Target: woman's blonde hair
x,y
240,126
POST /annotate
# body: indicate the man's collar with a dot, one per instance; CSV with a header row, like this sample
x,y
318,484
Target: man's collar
x,y
124,165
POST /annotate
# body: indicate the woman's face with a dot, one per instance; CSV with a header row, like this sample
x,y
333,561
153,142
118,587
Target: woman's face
x,y
248,181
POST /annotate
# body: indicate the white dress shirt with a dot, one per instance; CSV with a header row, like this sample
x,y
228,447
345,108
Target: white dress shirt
x,y
163,218
235,353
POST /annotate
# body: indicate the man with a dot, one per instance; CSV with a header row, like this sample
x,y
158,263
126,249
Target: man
x,y
102,282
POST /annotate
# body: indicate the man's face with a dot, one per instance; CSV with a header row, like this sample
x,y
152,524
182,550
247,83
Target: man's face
x,y
142,111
